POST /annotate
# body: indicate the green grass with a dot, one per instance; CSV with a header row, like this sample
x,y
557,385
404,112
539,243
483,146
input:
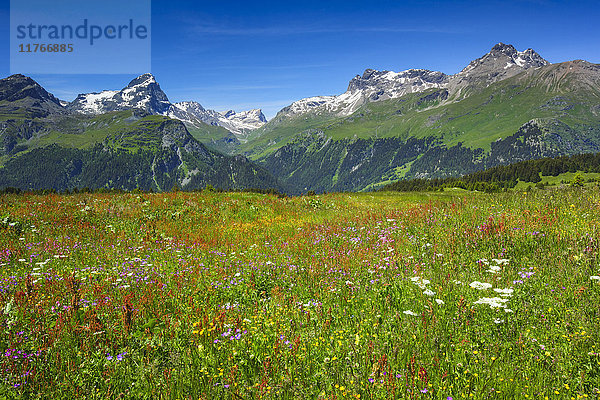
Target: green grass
x,y
396,174
272,136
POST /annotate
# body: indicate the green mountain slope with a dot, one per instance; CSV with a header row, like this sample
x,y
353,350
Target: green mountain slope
x,y
215,137
546,111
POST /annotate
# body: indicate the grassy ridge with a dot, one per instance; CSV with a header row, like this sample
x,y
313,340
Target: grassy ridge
x,y
494,113
84,132
338,296
122,150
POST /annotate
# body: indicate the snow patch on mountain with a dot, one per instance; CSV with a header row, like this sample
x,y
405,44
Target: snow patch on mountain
x,y
371,86
93,103
243,121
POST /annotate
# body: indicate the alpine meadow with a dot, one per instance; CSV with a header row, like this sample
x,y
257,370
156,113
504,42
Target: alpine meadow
x,y
440,295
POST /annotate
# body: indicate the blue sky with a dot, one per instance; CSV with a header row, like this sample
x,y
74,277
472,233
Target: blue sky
x,y
258,54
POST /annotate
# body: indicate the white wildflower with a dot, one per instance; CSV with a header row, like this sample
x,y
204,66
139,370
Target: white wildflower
x,y
504,292
595,278
409,312
493,302
494,269
480,285
420,282
429,293
498,321
440,302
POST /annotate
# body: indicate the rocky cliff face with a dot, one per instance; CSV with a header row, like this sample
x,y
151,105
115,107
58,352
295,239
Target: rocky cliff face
x,y
382,85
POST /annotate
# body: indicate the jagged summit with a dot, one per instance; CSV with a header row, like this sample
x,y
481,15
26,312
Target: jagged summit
x,y
255,114
238,123
372,85
397,83
508,49
142,92
249,120
501,62
143,80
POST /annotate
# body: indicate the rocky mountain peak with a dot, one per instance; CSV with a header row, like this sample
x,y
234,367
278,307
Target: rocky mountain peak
x,y
145,93
189,106
367,74
534,58
142,92
501,48
243,121
254,115
238,123
394,84
20,92
19,87
143,80
502,61
503,57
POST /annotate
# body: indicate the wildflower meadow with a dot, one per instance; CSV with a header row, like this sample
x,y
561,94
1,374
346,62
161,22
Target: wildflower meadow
x,y
446,295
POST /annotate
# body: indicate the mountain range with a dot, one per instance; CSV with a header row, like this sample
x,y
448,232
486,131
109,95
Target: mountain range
x,y
503,61
503,107
117,142
145,93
